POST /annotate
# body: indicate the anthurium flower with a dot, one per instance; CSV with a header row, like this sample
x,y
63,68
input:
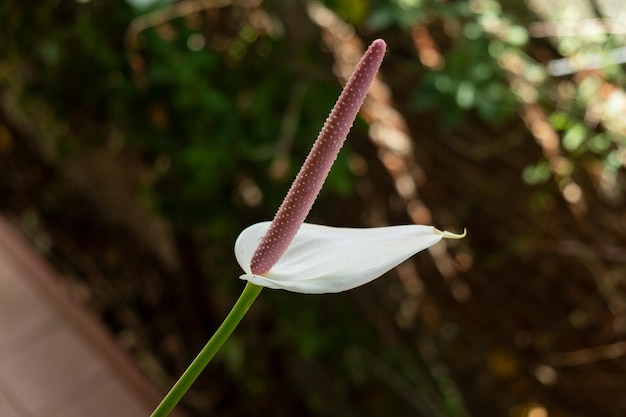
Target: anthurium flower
x,y
323,259
295,256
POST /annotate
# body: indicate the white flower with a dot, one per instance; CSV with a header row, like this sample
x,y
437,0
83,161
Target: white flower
x,y
295,256
323,259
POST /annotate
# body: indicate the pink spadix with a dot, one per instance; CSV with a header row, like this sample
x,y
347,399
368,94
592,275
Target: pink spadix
x,y
309,181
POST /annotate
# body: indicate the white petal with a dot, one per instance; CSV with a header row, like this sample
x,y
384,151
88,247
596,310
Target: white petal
x,y
324,259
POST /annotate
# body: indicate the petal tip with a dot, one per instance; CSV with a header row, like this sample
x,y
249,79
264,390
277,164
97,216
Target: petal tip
x,y
450,235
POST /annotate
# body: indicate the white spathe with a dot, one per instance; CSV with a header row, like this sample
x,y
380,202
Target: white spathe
x,y
323,259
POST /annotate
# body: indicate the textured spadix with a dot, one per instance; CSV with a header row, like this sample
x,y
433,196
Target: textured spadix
x,y
323,259
309,181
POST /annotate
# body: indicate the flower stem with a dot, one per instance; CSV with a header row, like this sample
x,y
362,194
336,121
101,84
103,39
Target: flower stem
x,y
247,297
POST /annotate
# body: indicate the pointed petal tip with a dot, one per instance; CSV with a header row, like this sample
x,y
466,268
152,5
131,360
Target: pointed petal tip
x,y
450,235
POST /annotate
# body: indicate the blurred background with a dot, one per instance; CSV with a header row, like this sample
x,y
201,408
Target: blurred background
x,y
139,137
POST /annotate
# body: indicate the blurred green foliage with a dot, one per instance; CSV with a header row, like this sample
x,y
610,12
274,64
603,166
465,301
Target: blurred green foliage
x,y
204,104
472,77
201,117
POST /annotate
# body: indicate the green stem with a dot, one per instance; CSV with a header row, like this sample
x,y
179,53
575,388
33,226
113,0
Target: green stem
x,y
249,294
